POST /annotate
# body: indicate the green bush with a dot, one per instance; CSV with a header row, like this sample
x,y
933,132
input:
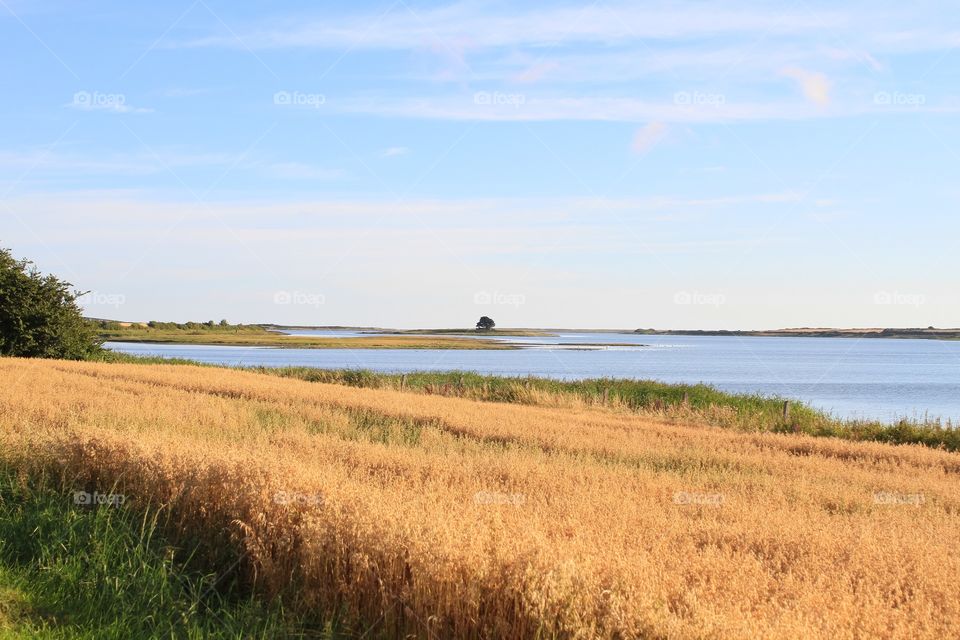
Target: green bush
x,y
39,315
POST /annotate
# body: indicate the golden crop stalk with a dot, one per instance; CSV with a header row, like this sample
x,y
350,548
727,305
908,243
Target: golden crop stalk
x,y
473,519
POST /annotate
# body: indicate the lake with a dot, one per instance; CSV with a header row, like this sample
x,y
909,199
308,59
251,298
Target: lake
x,y
849,377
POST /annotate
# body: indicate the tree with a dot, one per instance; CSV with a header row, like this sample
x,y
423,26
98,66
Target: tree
x,y
39,314
485,323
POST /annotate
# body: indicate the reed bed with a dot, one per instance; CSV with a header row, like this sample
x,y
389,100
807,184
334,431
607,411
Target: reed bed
x,y
432,516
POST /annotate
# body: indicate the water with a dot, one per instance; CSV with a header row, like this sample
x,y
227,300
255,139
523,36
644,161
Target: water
x,y
852,378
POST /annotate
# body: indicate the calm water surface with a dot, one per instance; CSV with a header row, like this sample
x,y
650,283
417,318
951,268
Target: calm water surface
x,y
868,378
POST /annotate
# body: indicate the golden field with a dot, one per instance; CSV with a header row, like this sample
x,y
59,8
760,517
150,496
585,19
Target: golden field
x,y
448,517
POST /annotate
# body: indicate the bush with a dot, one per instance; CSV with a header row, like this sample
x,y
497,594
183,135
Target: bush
x,y
39,315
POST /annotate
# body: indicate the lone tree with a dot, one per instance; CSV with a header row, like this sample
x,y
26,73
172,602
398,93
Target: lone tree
x,y
39,314
485,323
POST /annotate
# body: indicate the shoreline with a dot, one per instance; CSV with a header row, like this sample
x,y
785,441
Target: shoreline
x,y
889,333
280,341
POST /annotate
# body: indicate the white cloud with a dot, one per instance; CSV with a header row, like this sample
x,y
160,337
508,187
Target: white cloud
x,y
355,237
469,27
815,86
535,72
59,163
107,207
593,108
476,26
618,61
392,152
100,162
428,250
647,137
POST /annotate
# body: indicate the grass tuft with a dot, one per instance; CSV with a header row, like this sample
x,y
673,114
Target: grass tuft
x,y
71,571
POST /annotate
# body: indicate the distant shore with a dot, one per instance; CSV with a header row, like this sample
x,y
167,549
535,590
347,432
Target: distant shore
x,y
273,335
260,336
929,333
532,333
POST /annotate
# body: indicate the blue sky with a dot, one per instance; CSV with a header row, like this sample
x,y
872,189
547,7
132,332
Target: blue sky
x,y
655,164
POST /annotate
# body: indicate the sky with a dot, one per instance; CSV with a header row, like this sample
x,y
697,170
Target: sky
x,y
734,165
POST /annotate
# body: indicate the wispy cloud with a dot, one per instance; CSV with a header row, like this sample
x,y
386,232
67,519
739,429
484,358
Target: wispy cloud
x,y
535,72
479,27
107,206
815,86
591,108
647,137
616,61
470,27
46,163
393,152
100,162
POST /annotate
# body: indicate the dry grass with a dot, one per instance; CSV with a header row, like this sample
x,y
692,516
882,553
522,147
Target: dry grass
x,y
448,517
12,607
273,339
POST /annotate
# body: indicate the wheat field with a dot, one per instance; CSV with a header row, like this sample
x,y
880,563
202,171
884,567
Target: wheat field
x,y
447,517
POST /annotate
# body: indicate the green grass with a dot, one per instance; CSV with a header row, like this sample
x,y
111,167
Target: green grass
x,y
742,411
75,572
108,355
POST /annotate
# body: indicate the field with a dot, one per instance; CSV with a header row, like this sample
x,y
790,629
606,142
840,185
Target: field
x,y
253,336
406,512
